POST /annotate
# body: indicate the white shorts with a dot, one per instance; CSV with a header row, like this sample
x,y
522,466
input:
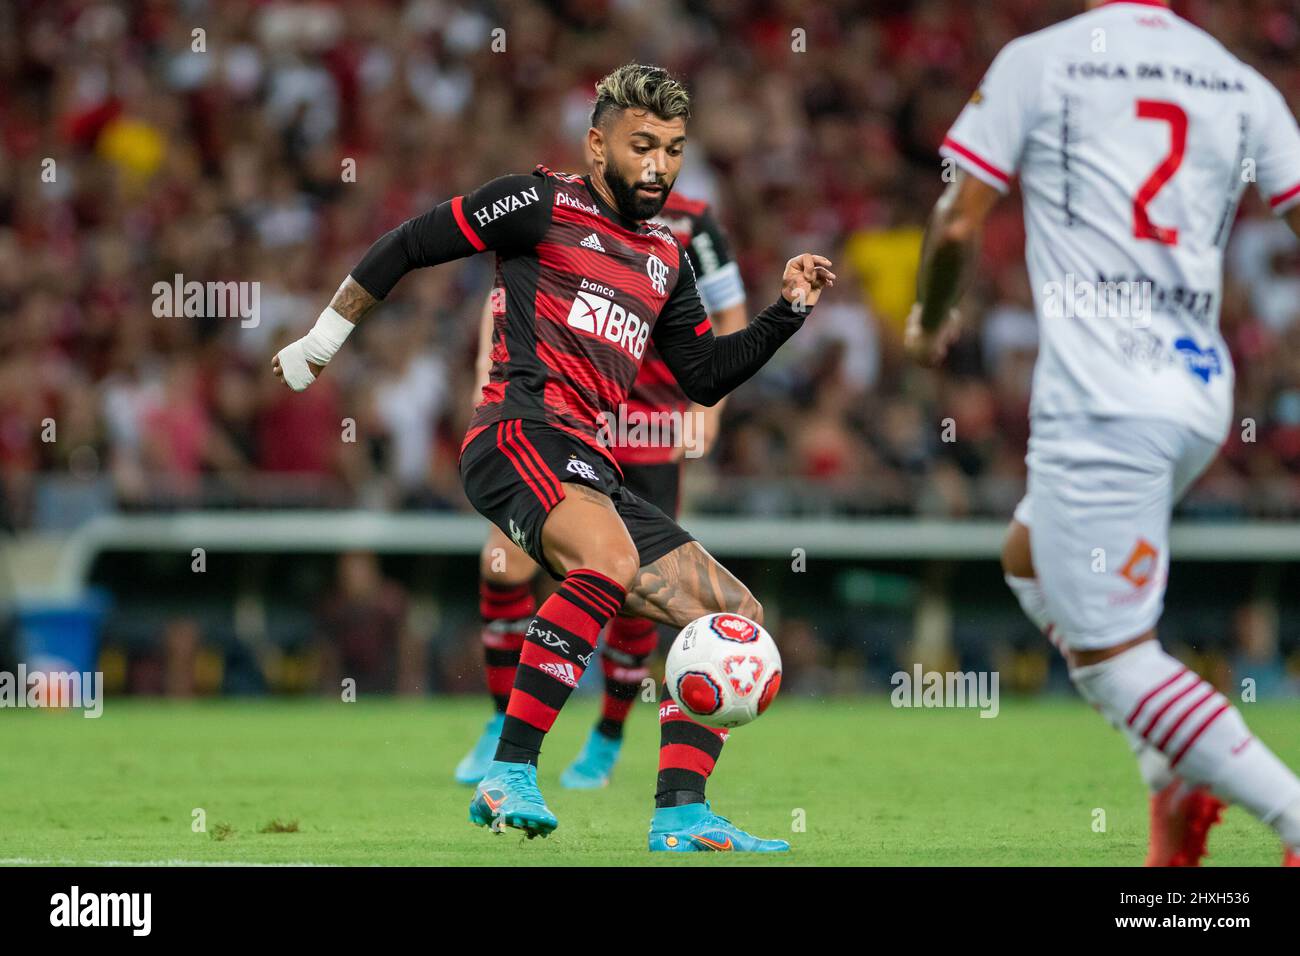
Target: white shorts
x,y
1098,503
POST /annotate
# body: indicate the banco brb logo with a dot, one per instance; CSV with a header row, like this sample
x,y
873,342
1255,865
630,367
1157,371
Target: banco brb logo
x,y
600,316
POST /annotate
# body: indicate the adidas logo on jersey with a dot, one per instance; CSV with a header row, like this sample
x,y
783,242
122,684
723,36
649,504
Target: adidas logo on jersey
x,y
563,672
592,242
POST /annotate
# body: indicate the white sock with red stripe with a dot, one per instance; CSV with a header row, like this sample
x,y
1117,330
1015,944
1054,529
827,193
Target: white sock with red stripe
x,y
1152,764
1158,701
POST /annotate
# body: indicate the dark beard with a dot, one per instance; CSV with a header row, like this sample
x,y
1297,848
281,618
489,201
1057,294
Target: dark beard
x,y
628,202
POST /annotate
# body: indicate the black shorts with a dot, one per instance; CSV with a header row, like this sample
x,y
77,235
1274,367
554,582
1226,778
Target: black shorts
x,y
661,485
514,474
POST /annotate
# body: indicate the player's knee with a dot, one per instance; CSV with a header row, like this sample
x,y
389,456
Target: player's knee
x,y
620,565
489,567
494,564
501,563
1016,558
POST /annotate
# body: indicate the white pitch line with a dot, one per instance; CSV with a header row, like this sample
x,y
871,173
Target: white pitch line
x,y
27,861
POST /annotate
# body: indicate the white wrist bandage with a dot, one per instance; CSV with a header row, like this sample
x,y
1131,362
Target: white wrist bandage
x,y
317,346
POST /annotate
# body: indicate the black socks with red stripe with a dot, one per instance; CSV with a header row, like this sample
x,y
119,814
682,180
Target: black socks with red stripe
x,y
558,647
506,611
629,641
687,754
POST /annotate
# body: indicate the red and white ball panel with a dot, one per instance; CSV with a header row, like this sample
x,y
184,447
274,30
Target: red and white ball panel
x,y
723,670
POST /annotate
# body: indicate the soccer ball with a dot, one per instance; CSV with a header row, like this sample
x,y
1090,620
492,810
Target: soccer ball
x,y
723,670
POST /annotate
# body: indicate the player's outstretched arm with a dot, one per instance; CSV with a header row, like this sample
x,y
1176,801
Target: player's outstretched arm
x,y
709,417
299,363
512,212
708,366
717,277
948,257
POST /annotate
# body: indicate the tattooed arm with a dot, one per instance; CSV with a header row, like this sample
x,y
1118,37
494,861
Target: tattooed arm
x,y
687,583
512,212
351,303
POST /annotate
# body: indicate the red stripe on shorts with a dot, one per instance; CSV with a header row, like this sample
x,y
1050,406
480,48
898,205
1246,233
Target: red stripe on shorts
x,y
527,447
544,496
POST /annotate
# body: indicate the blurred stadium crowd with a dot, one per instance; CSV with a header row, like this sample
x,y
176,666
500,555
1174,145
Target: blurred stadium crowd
x,y
213,139
271,142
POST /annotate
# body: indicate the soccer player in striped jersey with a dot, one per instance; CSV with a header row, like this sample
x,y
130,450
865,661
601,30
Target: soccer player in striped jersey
x,y
578,317
651,461
1134,134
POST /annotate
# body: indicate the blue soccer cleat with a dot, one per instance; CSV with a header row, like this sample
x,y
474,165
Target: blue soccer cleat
x,y
507,796
475,764
591,769
695,828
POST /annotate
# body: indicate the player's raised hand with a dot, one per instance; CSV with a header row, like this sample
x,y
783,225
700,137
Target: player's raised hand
x,y
805,277
929,348
291,367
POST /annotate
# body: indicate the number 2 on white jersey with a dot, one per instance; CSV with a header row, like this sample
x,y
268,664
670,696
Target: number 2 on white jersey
x,y
1172,114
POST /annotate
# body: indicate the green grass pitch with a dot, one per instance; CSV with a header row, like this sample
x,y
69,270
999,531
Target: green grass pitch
x,y
846,781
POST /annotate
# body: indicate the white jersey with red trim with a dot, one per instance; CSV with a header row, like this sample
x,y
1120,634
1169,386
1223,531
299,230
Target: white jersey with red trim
x,y
1134,134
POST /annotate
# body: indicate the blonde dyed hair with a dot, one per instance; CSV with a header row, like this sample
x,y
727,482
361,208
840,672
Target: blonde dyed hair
x,y
641,87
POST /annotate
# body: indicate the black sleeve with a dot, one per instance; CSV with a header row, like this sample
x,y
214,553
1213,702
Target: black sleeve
x,y
709,250
708,366
508,214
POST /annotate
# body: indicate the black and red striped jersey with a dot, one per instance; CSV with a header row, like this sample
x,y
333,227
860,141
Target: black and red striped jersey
x,y
581,293
717,277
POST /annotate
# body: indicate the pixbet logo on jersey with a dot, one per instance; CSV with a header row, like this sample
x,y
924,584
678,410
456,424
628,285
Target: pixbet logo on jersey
x,y
595,312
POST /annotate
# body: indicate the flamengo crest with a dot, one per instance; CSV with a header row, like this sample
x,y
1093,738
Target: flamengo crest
x,y
658,273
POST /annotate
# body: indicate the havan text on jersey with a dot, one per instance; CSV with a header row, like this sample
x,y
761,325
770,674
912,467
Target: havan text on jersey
x,y
509,204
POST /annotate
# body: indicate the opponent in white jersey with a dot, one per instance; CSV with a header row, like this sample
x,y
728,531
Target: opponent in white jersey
x,y
1134,135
